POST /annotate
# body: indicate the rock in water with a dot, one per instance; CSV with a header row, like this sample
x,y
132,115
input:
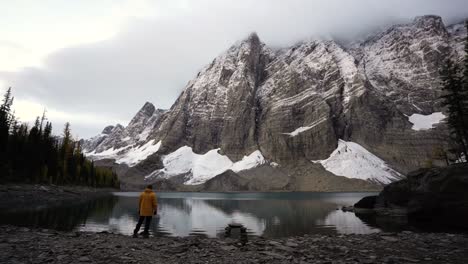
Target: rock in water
x,y
367,202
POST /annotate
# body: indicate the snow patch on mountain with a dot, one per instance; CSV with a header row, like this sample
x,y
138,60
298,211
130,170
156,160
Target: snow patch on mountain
x,y
110,153
203,167
130,155
135,155
303,129
248,162
424,122
351,160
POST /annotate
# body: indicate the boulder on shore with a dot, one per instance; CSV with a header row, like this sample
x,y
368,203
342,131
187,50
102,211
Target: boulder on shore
x,y
434,194
367,202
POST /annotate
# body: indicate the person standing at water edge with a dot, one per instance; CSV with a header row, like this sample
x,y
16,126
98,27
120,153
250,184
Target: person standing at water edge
x,y
147,207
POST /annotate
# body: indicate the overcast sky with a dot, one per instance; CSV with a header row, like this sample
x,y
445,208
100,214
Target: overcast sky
x,y
95,63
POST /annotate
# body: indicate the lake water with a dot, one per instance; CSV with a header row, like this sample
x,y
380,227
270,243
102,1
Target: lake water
x,y
207,214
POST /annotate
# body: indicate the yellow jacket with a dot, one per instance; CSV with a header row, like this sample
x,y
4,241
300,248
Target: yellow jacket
x,y
148,203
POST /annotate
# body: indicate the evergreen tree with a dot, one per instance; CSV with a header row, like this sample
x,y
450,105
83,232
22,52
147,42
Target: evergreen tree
x,y
465,62
464,93
455,100
5,120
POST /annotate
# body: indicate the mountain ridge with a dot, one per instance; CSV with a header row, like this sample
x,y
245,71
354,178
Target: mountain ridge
x,y
293,106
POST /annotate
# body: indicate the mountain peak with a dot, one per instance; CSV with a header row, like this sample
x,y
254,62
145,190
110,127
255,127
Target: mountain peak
x,y
148,106
147,109
107,130
429,21
427,18
252,40
118,127
253,37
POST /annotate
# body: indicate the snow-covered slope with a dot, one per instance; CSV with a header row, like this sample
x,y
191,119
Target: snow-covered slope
x,y
353,161
201,167
129,155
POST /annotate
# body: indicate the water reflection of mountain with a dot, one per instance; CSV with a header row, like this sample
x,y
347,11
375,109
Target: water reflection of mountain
x,y
270,215
281,217
346,223
64,217
182,216
177,217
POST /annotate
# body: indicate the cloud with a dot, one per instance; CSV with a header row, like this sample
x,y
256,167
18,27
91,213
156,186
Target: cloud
x,y
81,122
152,58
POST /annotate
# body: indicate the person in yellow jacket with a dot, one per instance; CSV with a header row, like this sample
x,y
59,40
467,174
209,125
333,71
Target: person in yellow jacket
x,y
147,207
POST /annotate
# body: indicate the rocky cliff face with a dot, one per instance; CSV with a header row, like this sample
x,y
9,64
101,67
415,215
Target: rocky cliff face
x,y
370,109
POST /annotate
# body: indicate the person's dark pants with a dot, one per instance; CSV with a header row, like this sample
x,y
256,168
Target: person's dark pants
x,y
140,222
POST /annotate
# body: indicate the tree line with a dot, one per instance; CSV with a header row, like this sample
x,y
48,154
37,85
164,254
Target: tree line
x,y
454,80
34,155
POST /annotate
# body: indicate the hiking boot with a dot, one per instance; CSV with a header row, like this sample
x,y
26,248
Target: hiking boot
x,y
145,235
135,235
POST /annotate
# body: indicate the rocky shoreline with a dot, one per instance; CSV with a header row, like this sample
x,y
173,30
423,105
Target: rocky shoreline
x,y
24,245
16,197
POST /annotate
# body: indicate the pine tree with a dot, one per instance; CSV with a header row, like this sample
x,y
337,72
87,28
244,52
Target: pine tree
x,y
65,152
455,99
465,62
464,92
5,124
67,140
5,120
43,118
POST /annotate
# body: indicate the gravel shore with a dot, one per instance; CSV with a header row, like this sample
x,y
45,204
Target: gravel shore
x,y
24,245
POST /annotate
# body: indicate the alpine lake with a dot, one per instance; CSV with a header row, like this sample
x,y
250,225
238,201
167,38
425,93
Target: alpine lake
x,y
271,215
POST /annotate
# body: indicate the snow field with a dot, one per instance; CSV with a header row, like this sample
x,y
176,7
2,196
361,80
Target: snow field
x,y
204,166
130,155
425,122
351,160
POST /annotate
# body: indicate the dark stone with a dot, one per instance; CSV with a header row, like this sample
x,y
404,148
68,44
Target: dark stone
x,y
367,202
431,195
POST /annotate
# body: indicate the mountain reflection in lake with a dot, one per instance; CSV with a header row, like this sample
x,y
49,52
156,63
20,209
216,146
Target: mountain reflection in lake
x,y
207,214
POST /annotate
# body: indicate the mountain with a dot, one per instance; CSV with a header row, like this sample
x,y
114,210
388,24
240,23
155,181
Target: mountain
x,y
316,116
128,145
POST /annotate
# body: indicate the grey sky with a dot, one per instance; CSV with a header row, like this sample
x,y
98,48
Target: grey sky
x,y
104,78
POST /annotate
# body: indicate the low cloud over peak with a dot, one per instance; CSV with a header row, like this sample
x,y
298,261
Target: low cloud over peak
x,y
153,58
